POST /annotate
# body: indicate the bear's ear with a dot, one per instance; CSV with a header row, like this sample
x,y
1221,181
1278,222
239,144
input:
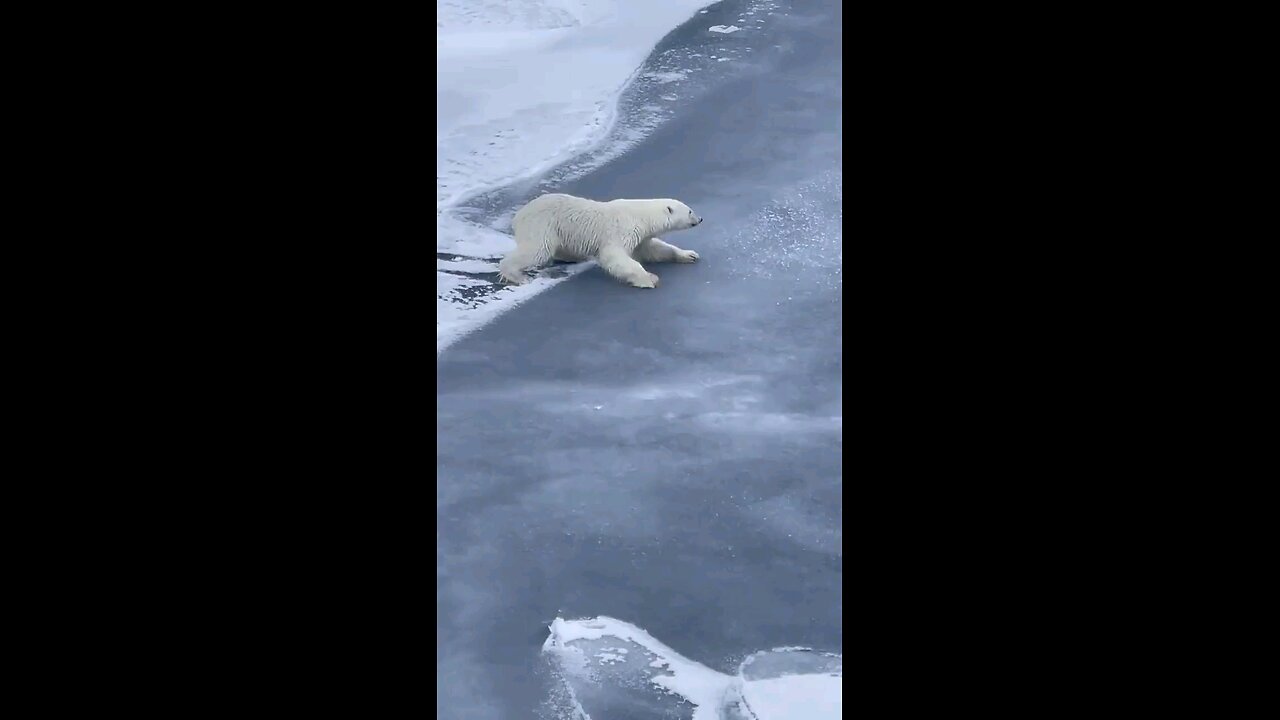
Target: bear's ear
x,y
668,209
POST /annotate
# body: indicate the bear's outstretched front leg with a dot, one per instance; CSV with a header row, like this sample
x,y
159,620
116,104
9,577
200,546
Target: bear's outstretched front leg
x,y
619,264
655,250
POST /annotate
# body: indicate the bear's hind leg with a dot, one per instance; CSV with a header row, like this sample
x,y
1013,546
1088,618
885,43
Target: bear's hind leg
x,y
528,254
619,264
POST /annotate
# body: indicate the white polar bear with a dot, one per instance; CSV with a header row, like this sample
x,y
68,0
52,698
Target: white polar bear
x,y
618,233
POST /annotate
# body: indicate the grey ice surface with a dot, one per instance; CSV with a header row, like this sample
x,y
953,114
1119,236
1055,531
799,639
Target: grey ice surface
x,y
669,457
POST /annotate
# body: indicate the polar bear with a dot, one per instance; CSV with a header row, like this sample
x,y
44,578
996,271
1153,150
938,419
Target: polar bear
x,y
618,233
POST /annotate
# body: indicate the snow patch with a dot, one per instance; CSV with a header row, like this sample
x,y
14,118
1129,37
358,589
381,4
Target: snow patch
x,y
814,697
700,685
504,107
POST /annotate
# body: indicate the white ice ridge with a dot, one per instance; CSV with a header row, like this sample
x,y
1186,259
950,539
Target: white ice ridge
x,y
726,29
782,684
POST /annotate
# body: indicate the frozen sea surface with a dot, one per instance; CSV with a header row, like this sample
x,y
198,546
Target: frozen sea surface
x,y
668,458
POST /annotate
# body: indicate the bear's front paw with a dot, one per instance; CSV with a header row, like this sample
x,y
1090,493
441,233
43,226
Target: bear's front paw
x,y
651,281
686,256
512,278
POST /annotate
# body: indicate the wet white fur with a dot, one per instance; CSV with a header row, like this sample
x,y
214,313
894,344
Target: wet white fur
x,y
618,233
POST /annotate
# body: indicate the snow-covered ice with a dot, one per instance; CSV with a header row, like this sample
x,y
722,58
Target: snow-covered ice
x,y
780,684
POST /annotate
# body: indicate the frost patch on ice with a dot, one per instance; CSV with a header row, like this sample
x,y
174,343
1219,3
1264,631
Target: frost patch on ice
x,y
665,77
801,230
726,29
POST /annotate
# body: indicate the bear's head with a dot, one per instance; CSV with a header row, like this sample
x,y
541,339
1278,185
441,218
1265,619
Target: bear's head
x,y
679,215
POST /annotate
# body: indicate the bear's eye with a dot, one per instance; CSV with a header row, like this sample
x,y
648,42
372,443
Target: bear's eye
x,y
668,209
